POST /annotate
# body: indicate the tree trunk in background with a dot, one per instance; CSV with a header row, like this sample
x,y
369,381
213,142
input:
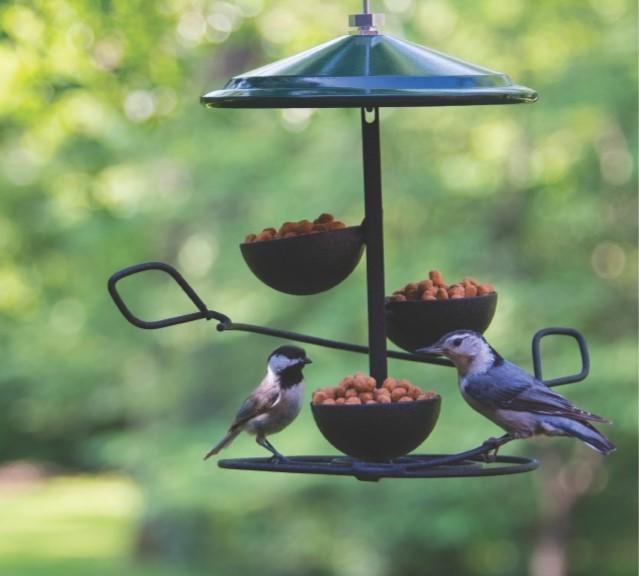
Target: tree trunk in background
x,y
561,484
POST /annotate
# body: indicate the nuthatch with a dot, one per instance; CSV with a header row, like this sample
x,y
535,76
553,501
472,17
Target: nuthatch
x,y
274,404
512,398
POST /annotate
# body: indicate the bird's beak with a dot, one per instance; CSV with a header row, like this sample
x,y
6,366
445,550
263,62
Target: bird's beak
x,y
306,361
433,350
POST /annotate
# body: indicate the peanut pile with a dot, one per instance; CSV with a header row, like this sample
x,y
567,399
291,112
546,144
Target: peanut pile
x,y
436,289
323,223
360,389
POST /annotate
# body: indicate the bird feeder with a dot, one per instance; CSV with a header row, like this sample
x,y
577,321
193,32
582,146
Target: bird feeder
x,y
368,70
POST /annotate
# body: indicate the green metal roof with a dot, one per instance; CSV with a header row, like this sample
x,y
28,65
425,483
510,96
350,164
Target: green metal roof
x,y
368,70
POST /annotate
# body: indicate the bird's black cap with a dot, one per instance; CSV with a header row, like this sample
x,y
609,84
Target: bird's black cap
x,y
291,352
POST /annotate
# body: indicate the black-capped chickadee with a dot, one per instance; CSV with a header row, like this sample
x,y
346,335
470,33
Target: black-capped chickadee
x,y
274,404
512,398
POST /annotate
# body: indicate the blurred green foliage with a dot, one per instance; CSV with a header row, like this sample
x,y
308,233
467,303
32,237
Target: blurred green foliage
x,y
107,159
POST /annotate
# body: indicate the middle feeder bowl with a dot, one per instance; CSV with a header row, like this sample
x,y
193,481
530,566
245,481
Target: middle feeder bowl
x,y
416,324
306,264
377,432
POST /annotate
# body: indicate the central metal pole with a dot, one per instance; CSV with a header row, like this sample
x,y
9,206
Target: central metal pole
x,y
374,237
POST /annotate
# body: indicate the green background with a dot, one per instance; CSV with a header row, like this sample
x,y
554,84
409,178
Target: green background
x,y
107,159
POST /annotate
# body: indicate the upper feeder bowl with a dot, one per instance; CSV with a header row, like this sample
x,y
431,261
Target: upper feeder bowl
x,y
306,264
415,324
377,432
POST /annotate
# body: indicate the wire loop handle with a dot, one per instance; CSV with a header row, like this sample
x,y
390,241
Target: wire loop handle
x,y
583,350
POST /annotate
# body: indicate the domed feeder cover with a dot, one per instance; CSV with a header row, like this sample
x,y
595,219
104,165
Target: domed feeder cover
x,y
368,69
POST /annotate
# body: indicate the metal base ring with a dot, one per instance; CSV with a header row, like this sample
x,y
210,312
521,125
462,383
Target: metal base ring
x,y
405,467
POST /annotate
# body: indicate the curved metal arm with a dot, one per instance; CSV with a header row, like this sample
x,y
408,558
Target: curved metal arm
x,y
583,349
225,322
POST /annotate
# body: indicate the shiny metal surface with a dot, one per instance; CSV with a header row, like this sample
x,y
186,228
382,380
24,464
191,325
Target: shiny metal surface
x,y
368,70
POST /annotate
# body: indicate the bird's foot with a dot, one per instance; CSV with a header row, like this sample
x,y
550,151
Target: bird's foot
x,y
279,459
276,456
492,446
490,456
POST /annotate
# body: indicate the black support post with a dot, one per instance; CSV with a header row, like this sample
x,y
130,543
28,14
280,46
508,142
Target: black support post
x,y
374,235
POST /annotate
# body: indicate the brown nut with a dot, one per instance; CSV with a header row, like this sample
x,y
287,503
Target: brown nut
x,y
287,228
324,218
350,393
370,402
250,238
353,400
329,402
366,396
398,298
471,290
341,400
304,227
337,225
397,393
319,397
406,399
485,289
359,382
426,285
389,384
436,277
442,294
384,399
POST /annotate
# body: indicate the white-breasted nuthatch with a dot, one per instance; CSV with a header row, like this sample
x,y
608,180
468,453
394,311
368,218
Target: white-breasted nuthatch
x,y
512,398
274,404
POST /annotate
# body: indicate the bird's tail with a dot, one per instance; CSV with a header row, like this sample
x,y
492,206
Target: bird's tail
x,y
228,438
585,432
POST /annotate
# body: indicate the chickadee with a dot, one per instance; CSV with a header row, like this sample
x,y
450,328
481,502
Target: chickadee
x,y
274,404
512,398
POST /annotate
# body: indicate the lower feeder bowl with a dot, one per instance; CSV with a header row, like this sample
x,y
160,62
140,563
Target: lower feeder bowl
x,y
415,324
377,432
306,264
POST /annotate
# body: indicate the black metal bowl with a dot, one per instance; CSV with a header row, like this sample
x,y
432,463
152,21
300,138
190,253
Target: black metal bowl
x,y
306,264
377,432
414,324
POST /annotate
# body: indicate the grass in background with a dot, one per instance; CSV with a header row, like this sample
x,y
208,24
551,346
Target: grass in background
x,y
72,525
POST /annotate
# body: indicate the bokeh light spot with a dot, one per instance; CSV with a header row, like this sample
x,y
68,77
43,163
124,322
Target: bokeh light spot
x,y
608,260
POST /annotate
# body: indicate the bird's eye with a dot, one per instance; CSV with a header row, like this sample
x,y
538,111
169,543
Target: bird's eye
x,y
457,342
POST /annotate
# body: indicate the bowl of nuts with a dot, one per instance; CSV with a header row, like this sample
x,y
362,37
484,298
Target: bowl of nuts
x,y
304,257
422,312
375,424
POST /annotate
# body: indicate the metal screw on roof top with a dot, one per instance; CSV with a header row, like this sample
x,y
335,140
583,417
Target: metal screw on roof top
x,y
367,24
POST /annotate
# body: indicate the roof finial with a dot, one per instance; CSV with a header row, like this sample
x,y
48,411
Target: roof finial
x,y
366,22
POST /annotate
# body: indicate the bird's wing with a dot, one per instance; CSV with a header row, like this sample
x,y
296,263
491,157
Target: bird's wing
x,y
517,390
262,400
